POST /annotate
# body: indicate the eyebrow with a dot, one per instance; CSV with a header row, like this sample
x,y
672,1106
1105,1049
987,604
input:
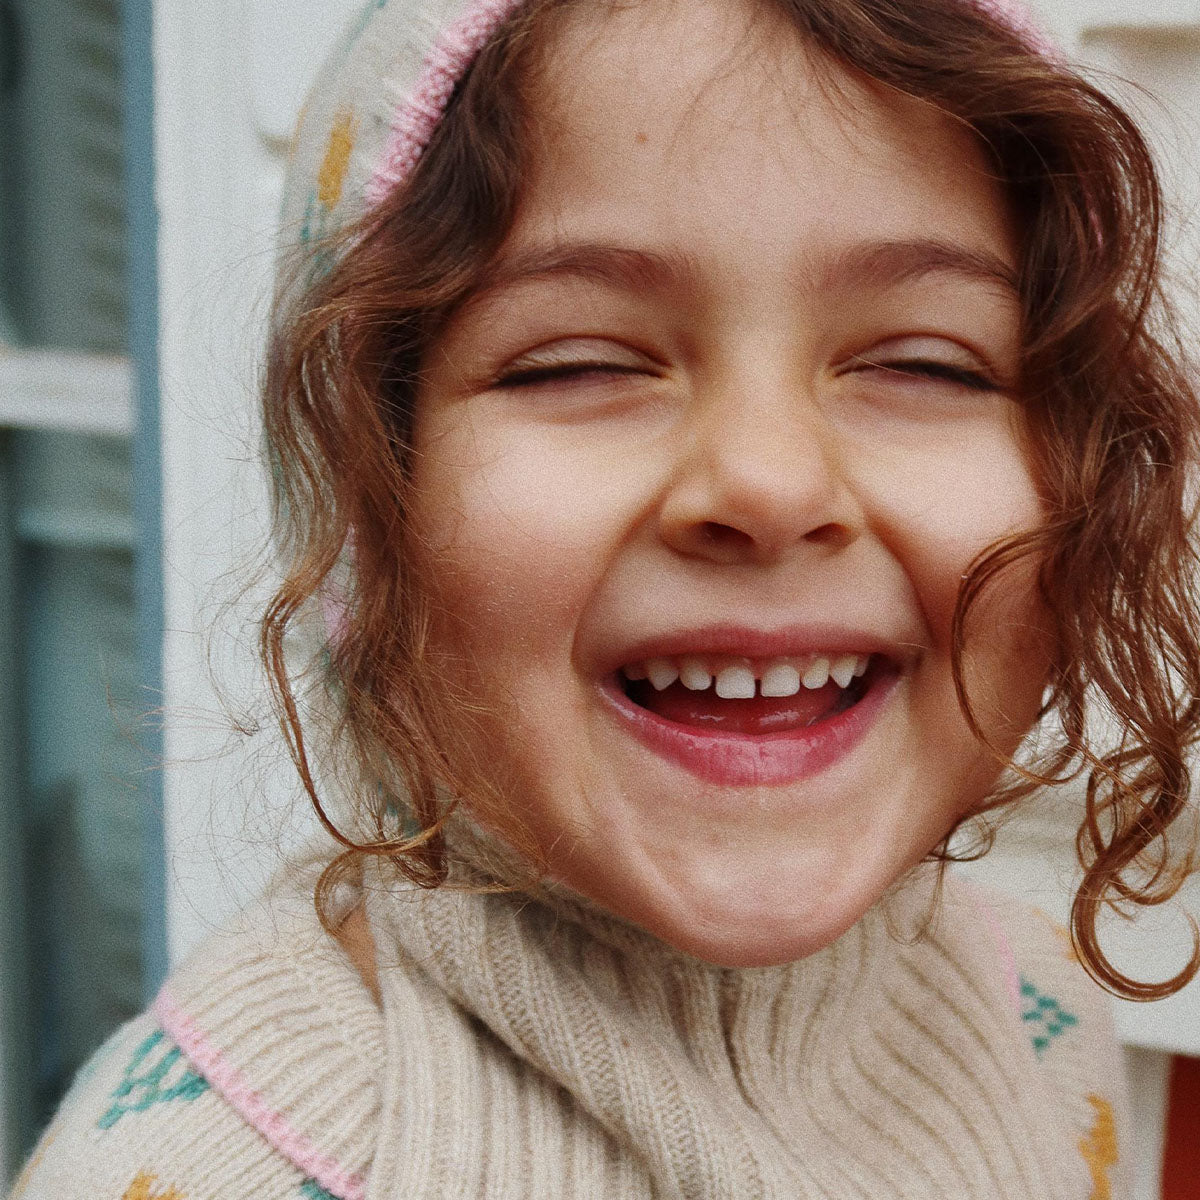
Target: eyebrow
x,y
896,262
595,262
881,263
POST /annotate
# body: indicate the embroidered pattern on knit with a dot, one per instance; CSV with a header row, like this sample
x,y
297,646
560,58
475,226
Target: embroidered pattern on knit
x,y
312,1190
1061,933
1099,1148
1044,1016
157,1074
312,233
332,177
139,1189
365,19
26,1176
312,228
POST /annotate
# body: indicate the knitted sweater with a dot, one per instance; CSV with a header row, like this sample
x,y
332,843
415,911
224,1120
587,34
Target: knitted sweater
x,y
540,1048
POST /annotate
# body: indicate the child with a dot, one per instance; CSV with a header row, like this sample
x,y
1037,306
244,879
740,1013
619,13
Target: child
x,y
708,437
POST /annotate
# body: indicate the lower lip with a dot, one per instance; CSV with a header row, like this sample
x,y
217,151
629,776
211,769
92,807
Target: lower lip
x,y
746,759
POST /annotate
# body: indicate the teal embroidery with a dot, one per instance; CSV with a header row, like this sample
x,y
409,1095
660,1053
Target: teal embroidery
x,y
312,232
364,20
396,810
158,1073
373,6
312,238
306,228
312,1190
1044,1016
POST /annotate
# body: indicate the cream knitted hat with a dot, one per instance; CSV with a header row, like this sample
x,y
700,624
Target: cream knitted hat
x,y
386,85
375,104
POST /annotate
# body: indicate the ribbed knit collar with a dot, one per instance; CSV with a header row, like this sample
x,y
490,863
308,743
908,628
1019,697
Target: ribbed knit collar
x,y
535,1047
541,1048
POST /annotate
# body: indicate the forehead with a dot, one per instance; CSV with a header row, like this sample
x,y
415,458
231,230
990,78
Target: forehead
x,y
717,121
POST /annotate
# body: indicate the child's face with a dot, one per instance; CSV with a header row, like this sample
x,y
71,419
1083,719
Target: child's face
x,y
729,403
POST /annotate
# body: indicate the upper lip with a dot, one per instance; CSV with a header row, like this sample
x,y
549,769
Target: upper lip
x,y
783,642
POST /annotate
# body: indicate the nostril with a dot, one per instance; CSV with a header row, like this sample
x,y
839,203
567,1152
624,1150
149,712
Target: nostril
x,y
831,534
725,537
729,543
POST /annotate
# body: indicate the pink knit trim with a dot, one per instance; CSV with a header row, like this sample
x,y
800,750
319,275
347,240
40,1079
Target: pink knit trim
x,y
335,614
273,1125
335,602
1017,16
455,49
444,65
1004,948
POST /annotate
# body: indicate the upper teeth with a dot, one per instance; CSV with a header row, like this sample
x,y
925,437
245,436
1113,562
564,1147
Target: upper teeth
x,y
738,679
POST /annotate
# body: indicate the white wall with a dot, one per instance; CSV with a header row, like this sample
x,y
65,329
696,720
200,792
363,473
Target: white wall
x,y
231,75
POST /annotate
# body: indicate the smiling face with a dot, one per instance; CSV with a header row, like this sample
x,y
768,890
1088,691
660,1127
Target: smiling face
x,y
732,412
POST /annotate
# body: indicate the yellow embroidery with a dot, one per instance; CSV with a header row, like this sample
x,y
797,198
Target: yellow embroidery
x,y
1099,1148
332,176
32,1165
139,1189
1061,933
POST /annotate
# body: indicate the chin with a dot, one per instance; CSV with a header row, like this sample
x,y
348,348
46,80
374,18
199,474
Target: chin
x,y
746,931
735,945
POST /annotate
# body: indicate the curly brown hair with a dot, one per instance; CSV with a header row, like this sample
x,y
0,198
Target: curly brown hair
x,y
1111,417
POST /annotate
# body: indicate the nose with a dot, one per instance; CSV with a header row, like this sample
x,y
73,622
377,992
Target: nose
x,y
760,474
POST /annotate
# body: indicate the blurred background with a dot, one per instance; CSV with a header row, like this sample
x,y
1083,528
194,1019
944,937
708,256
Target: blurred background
x,y
142,794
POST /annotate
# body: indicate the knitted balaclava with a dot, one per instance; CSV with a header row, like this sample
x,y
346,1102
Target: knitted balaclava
x,y
385,87
372,111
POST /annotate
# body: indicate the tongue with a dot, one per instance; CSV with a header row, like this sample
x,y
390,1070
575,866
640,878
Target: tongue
x,y
763,714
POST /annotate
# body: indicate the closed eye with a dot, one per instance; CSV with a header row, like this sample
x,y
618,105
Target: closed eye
x,y
565,372
934,370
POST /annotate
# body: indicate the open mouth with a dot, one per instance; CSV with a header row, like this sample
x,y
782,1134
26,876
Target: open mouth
x,y
725,694
739,721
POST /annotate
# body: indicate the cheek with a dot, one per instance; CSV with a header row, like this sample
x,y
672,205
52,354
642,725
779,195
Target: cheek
x,y
514,540
946,502
505,563
945,509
